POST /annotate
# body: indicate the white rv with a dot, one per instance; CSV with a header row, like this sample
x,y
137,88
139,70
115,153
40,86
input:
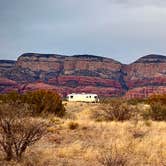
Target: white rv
x,y
84,97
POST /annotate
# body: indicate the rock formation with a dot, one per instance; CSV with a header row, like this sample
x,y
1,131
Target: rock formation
x,y
84,73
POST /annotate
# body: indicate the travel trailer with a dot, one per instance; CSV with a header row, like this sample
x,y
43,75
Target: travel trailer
x,y
84,97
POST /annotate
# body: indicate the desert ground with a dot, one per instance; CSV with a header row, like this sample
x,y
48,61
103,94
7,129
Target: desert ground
x,y
79,140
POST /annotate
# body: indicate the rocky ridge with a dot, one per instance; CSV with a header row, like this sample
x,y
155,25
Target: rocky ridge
x,y
84,73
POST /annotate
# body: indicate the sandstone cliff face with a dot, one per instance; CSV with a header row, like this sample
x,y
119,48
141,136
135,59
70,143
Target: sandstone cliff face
x,y
7,85
84,73
64,90
6,64
74,81
78,73
148,70
46,66
5,67
143,92
146,76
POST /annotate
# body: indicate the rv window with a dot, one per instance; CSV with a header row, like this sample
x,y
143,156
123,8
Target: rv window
x,y
89,96
95,97
86,96
71,97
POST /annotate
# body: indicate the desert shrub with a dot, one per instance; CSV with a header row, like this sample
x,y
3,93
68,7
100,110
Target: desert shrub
x,y
42,101
120,111
136,101
113,160
7,110
157,112
73,125
108,100
99,115
12,103
113,157
35,103
55,120
115,110
18,134
70,115
13,98
158,108
148,123
157,98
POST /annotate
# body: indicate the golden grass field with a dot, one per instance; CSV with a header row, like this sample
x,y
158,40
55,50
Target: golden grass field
x,y
78,140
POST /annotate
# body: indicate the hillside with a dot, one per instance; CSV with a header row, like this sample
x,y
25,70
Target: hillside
x,y
84,73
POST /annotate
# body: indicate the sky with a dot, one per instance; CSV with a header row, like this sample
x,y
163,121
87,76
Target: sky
x,y
120,29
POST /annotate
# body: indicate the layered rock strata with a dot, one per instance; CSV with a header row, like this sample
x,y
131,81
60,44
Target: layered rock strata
x,y
84,73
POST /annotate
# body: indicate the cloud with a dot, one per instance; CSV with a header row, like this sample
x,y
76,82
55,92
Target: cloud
x,y
137,3
121,29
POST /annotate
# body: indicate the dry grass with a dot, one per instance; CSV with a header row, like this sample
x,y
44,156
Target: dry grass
x,y
137,142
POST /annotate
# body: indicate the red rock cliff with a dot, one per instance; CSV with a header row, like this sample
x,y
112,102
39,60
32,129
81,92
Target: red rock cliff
x,y
85,73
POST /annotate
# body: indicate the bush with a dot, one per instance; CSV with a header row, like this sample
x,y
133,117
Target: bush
x,y
157,112
108,100
158,108
37,102
113,160
157,98
73,125
42,101
18,134
136,101
13,98
114,157
115,110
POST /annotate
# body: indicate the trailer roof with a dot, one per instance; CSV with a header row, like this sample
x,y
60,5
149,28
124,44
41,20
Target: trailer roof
x,y
82,94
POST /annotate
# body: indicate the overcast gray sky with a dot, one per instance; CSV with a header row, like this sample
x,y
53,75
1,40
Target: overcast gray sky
x,y
120,29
